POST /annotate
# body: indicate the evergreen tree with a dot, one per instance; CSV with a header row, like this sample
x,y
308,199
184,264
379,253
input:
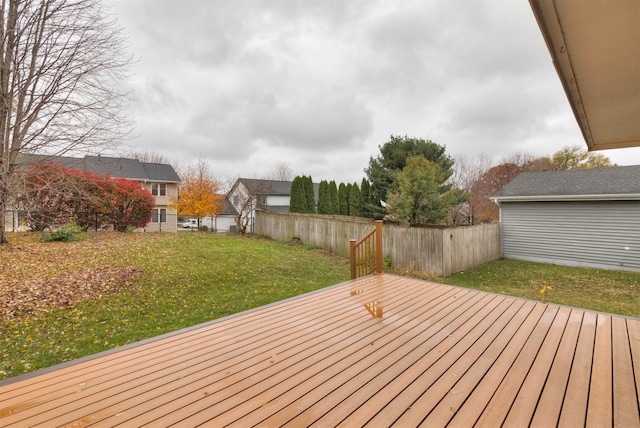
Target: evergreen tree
x,y
371,206
298,202
355,201
348,196
335,204
376,210
365,195
382,171
309,194
324,198
343,200
418,199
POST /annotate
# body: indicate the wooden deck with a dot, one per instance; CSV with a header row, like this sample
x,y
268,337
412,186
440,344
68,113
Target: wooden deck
x,y
378,351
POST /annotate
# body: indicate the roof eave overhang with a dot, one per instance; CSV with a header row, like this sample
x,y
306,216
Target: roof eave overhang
x,y
595,47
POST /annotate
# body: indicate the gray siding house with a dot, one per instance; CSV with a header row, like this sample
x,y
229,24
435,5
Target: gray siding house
x,y
584,217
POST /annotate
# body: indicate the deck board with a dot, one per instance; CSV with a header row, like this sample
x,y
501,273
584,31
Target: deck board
x,y
378,351
624,388
394,383
526,400
557,378
599,407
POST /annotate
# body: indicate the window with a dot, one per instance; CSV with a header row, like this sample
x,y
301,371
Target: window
x,y
159,214
159,189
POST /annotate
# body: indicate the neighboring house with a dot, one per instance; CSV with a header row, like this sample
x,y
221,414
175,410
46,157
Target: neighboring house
x,y
225,221
583,217
249,194
159,179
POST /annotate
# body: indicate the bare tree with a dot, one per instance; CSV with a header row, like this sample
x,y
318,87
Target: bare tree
x,y
466,171
519,159
282,171
226,184
149,157
44,195
247,195
62,63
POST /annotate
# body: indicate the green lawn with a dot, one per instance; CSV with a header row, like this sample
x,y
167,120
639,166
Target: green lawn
x,y
135,286
601,290
187,279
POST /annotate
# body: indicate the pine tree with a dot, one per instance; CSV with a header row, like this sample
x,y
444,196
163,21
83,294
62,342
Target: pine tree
x,y
365,194
309,194
324,198
335,204
298,202
355,201
343,200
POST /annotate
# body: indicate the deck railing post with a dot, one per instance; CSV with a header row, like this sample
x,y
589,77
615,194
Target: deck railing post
x,y
379,262
352,256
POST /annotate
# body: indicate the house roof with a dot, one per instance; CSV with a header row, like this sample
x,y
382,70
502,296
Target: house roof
x,y
595,47
160,172
132,169
271,187
228,209
267,187
621,182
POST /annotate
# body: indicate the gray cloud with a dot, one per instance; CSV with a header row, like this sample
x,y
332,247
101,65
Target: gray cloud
x,y
322,84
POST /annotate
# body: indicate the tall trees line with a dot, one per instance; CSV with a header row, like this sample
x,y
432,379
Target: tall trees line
x,y
343,199
407,181
415,180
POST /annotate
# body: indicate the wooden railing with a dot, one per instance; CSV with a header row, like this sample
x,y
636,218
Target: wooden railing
x,y
366,254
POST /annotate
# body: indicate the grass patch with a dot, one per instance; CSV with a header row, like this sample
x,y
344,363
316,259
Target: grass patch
x,y
601,290
65,300
180,280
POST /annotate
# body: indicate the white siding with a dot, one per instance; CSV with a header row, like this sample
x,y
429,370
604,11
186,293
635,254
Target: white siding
x,y
603,234
278,200
224,223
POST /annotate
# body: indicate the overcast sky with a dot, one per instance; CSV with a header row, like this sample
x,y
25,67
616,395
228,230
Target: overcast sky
x,y
320,84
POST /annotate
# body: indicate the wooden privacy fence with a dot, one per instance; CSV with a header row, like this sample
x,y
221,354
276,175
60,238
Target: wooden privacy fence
x,y
366,254
437,251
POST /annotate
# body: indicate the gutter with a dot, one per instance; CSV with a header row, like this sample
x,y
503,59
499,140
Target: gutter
x,y
557,198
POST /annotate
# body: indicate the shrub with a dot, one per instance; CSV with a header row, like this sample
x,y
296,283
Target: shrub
x,y
67,233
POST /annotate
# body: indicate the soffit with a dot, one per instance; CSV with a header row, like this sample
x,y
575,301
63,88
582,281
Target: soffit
x,y
595,46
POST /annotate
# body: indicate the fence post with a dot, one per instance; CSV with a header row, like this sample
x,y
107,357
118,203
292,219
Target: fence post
x,y
379,262
352,257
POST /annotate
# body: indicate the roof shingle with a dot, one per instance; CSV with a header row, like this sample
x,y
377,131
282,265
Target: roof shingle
x,y
132,169
621,180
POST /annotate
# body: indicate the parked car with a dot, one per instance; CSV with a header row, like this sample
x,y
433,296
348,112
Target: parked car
x,y
191,223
